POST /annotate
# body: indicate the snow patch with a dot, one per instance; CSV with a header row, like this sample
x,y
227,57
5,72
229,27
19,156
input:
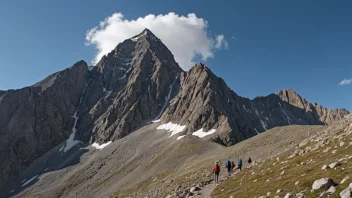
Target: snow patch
x,y
200,133
12,191
279,103
135,39
288,118
108,93
173,128
244,107
166,100
29,181
62,148
100,147
23,181
256,111
180,137
266,118
263,125
70,142
90,68
122,67
256,131
46,169
155,121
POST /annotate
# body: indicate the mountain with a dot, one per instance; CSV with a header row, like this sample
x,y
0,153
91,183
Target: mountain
x,y
137,82
206,102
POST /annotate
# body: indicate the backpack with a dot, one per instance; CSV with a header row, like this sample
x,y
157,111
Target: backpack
x,y
228,164
232,164
240,162
216,168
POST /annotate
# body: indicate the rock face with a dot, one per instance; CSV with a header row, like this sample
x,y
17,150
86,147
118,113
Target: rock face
x,y
137,82
204,101
35,119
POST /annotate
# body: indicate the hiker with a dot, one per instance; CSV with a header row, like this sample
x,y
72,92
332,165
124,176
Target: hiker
x,y
228,166
232,166
239,164
249,161
216,170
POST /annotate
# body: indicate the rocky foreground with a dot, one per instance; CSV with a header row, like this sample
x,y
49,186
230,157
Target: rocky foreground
x,y
320,166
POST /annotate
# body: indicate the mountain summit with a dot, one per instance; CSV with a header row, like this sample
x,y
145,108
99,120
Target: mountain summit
x,y
137,82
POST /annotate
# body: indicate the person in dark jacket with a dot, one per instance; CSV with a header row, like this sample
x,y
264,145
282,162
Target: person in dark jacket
x,y
249,161
228,166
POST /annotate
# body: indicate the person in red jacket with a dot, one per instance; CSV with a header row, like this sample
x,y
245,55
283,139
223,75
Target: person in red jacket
x,y
216,171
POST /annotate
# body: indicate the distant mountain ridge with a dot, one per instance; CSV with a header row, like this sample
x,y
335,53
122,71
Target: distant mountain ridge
x,y
137,82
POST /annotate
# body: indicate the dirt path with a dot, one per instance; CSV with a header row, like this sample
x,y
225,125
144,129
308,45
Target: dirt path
x,y
206,191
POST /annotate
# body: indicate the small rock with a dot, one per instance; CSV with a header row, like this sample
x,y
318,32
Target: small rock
x,y
342,143
325,167
278,191
300,195
303,175
254,181
288,195
331,190
193,189
268,194
342,159
334,151
344,179
262,197
323,183
334,164
327,149
282,172
297,182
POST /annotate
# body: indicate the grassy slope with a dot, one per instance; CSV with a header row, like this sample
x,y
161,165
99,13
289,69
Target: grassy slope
x,y
243,185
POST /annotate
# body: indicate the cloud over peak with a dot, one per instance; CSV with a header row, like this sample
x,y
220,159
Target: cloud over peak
x,y
346,82
186,36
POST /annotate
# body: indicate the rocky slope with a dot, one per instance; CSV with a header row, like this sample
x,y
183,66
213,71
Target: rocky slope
x,y
137,82
206,102
320,166
35,119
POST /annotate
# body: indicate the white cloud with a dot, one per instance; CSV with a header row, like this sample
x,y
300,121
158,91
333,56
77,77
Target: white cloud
x,y
346,82
185,36
221,42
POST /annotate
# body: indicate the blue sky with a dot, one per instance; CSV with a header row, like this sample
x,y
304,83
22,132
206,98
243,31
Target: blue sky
x,y
303,45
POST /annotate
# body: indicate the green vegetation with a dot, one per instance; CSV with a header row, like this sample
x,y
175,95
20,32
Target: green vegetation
x,y
243,185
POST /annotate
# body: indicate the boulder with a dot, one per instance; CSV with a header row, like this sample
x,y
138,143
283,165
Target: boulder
x,y
334,164
288,195
323,183
346,193
331,190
